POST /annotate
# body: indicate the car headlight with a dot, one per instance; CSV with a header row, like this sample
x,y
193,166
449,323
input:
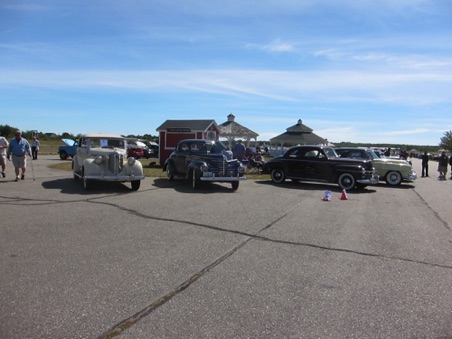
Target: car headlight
x,y
98,160
241,169
131,161
204,168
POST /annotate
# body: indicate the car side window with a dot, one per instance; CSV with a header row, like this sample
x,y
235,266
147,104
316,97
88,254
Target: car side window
x,y
184,148
312,154
82,142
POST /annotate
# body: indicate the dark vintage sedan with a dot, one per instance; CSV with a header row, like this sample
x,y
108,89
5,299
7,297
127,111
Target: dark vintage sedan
x,y
320,164
204,160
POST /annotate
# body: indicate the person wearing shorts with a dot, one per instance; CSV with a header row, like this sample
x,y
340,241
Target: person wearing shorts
x,y
18,148
3,146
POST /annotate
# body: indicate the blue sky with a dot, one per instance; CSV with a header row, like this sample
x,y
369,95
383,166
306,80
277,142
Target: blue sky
x,y
360,71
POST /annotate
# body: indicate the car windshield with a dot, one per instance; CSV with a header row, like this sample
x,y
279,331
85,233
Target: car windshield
x,y
372,154
217,147
330,153
107,143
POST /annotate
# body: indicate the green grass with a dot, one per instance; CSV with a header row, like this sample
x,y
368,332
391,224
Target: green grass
x,y
152,169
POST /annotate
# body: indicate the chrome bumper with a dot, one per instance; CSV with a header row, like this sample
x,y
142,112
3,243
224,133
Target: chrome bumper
x,y
223,178
370,181
411,177
114,177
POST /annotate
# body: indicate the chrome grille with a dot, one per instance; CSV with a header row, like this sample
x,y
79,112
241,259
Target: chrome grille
x,y
115,162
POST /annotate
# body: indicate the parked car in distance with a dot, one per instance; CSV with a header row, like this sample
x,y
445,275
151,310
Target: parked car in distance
x,y
135,149
68,150
204,160
320,164
153,149
393,171
103,157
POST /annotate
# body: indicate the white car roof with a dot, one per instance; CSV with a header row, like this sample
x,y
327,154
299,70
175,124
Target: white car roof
x,y
101,135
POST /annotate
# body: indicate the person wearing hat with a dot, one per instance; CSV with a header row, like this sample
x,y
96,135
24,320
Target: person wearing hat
x,y
3,146
18,148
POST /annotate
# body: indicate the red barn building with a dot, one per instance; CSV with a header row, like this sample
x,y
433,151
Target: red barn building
x,y
172,131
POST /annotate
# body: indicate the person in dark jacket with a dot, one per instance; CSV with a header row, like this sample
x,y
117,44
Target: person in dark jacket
x,y
442,165
450,163
425,160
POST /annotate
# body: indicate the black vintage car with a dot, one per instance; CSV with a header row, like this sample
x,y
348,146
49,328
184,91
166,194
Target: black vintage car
x,y
320,164
204,160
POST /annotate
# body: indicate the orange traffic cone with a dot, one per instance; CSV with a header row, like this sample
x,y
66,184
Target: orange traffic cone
x,y
344,195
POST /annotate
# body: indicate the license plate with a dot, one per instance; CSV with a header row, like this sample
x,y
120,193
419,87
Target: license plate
x,y
207,174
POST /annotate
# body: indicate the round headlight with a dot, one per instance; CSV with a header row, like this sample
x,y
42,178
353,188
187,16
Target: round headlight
x,y
131,161
98,160
241,169
204,168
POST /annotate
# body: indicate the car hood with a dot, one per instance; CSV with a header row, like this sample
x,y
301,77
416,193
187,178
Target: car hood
x,y
68,142
389,161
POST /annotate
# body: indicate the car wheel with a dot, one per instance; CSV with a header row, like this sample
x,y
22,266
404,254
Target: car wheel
x,y
393,178
195,179
235,185
346,181
86,182
63,155
169,173
278,176
136,185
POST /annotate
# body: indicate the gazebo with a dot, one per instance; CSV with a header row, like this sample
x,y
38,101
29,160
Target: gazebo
x,y
231,130
298,134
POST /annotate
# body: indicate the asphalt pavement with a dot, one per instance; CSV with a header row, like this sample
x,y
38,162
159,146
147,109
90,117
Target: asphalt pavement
x,y
265,261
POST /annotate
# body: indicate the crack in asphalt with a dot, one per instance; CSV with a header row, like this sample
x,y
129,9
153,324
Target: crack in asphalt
x,y
130,321
444,222
117,329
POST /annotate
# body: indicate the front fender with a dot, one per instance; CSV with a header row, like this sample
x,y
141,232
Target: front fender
x,y
196,165
136,169
90,167
168,162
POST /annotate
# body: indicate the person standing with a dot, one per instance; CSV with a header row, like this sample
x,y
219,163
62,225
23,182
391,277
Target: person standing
x,y
442,165
239,150
450,163
35,144
18,148
3,146
425,160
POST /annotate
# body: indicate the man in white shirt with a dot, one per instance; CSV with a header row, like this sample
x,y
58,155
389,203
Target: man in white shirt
x,y
3,146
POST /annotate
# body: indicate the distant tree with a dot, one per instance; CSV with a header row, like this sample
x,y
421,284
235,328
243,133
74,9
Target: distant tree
x,y
446,141
67,135
7,131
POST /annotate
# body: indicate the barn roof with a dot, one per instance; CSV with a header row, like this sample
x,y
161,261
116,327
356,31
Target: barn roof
x,y
190,125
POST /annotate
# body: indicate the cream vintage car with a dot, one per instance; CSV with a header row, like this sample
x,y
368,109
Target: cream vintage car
x,y
103,157
393,171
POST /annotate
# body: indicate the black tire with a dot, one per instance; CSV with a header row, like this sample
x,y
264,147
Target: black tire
x,y
235,185
63,155
393,178
135,185
346,181
195,179
169,173
278,176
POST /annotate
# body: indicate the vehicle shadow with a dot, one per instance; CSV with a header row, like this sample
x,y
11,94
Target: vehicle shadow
x,y
310,186
183,186
401,186
71,186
